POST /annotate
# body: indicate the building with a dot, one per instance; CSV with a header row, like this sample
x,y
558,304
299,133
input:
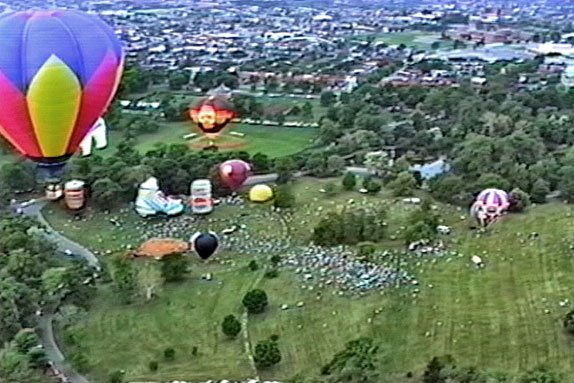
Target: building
x,y
568,77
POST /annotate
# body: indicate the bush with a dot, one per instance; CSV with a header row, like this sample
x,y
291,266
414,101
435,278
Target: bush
x,y
274,337
349,181
273,273
116,376
194,351
153,366
169,353
519,200
231,326
267,354
255,301
569,322
275,260
253,266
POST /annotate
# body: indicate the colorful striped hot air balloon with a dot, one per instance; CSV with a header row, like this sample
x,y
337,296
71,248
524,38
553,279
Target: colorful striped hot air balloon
x,y
489,205
59,71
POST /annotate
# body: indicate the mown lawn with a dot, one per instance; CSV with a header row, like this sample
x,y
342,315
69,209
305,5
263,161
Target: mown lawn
x,y
491,318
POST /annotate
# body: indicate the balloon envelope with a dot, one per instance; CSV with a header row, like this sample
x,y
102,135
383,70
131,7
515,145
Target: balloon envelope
x,y
234,172
205,244
59,71
212,115
260,193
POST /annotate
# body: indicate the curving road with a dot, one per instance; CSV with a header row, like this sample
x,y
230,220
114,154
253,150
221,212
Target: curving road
x,y
45,322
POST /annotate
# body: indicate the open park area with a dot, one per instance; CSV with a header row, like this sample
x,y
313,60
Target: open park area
x,y
419,305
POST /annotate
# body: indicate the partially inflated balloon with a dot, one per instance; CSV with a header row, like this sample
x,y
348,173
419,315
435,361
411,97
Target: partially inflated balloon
x,y
212,116
59,71
234,172
204,244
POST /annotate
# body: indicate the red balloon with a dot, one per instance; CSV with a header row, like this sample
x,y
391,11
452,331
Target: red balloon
x,y
234,172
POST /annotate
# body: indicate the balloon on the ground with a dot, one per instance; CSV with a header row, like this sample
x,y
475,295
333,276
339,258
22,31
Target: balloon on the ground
x,y
260,193
489,205
201,199
59,71
74,194
234,172
151,201
212,115
204,244
96,135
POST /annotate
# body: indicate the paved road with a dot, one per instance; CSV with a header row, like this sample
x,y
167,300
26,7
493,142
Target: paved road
x,y
45,323
62,243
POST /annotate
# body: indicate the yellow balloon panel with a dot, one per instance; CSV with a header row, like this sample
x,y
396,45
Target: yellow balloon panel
x,y
54,98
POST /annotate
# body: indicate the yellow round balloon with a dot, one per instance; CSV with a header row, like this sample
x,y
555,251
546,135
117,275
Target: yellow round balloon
x,y
260,193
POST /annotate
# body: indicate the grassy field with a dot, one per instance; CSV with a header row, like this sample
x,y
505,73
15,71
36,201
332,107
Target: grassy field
x,y
505,317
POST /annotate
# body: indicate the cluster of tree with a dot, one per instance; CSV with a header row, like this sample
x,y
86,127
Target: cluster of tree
x,y
144,280
29,274
422,224
500,135
444,370
247,106
361,362
349,227
267,353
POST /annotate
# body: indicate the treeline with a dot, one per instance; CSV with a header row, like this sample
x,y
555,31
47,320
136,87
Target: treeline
x,y
32,279
361,360
113,181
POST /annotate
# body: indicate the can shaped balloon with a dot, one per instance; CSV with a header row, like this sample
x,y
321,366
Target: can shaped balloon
x,y
74,194
59,71
201,199
212,116
233,173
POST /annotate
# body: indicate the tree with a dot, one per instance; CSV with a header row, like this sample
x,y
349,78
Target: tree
x,y
169,353
307,110
267,354
255,301
357,362
116,376
150,280
124,276
177,80
566,185
436,370
17,176
540,189
25,340
404,185
284,197
106,194
335,164
284,168
519,200
569,322
328,99
540,374
435,45
174,267
349,181
231,326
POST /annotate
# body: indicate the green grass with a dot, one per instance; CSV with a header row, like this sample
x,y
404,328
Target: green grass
x,y
272,141
492,318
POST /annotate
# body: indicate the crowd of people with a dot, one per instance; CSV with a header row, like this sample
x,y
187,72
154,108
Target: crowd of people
x,y
340,267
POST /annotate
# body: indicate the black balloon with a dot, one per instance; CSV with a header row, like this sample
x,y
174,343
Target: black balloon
x,y
205,244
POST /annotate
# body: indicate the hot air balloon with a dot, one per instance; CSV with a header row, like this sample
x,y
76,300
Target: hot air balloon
x,y
59,71
260,193
212,116
489,205
204,244
234,172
